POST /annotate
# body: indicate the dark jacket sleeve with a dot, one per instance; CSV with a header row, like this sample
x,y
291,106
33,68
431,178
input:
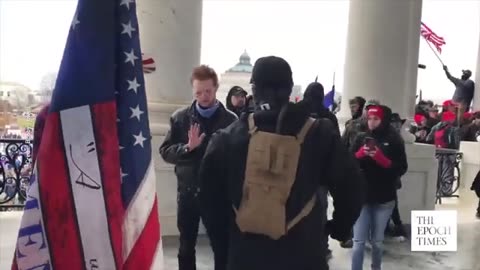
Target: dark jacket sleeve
x,y
357,142
171,150
455,81
454,137
431,136
347,187
398,156
214,203
347,135
334,120
476,184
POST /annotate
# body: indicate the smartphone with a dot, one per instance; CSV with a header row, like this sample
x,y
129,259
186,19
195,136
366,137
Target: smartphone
x,y
370,143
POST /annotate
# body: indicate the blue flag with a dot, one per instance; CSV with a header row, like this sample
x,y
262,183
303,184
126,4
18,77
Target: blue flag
x,y
328,101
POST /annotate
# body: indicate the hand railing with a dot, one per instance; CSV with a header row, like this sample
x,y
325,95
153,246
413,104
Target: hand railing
x,y
448,178
15,171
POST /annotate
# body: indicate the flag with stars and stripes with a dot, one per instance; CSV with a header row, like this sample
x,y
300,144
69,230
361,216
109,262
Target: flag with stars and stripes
x,y
92,201
432,37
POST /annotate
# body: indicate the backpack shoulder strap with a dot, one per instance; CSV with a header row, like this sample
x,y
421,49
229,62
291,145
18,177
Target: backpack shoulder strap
x,y
306,127
303,213
251,124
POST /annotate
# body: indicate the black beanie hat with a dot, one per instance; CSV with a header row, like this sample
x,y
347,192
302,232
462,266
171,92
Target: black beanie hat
x,y
272,72
314,91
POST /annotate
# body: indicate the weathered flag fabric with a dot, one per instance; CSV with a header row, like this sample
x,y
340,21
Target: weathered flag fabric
x,y
92,202
148,64
432,37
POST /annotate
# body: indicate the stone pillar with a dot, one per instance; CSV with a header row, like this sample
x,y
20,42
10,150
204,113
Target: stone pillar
x,y
382,63
476,96
382,53
170,32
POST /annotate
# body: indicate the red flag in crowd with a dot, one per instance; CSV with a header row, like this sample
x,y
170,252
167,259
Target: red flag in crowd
x,y
432,37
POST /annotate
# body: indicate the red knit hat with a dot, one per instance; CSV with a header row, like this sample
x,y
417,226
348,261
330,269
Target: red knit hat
x,y
467,115
448,116
419,118
376,111
448,103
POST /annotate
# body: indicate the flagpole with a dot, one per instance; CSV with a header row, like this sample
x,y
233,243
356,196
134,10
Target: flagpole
x,y
433,50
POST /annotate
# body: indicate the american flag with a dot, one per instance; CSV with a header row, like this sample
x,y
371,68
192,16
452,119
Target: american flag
x,y
92,202
432,37
148,64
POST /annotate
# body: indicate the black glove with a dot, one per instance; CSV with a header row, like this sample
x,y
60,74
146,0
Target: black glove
x,y
337,234
445,68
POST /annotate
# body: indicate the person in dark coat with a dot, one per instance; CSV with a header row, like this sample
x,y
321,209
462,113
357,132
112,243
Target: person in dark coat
x,y
357,105
471,131
357,125
184,146
464,89
324,163
476,188
380,152
314,96
398,230
236,100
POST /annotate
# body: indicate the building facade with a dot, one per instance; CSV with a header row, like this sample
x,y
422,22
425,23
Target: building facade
x,y
238,75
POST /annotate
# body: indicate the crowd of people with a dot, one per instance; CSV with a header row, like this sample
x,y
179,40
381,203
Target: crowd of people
x,y
258,171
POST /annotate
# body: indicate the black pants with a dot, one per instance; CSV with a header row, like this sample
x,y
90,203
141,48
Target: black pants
x,y
397,221
478,195
188,221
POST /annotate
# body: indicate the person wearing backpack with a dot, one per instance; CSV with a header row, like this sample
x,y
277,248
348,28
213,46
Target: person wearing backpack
x,y
260,180
380,152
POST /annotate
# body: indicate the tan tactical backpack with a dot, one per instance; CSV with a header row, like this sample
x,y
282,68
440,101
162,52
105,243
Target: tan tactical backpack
x,y
271,170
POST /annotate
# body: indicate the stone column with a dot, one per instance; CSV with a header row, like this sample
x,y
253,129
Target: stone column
x,y
476,96
382,53
170,32
382,63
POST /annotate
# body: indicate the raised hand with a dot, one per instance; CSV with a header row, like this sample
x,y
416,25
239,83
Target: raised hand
x,y
194,137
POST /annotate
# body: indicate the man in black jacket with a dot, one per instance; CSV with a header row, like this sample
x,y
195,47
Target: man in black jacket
x,y
356,109
357,124
236,100
464,90
314,96
184,146
324,163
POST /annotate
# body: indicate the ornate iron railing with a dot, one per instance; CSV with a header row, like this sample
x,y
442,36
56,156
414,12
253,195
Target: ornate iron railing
x,y
15,171
448,177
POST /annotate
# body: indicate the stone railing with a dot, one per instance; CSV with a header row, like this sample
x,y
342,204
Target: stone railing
x,y
15,171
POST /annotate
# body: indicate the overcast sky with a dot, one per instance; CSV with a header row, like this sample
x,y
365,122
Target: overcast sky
x,y
311,35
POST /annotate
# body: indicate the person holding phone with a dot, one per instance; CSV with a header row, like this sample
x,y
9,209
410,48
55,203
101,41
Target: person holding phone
x,y
380,152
